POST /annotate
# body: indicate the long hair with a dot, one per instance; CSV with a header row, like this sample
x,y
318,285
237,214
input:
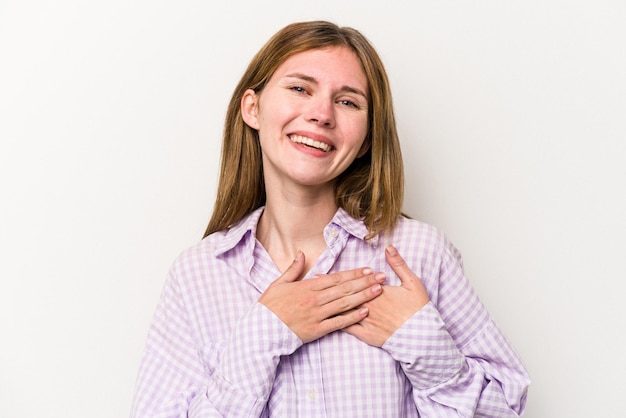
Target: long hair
x,y
371,188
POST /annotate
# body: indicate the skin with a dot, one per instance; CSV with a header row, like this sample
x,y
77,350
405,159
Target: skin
x,y
319,95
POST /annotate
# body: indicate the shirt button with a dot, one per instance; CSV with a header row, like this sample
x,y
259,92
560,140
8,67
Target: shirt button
x,y
333,233
312,394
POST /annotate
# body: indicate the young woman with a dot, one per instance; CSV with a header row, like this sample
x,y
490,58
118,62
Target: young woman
x,y
311,295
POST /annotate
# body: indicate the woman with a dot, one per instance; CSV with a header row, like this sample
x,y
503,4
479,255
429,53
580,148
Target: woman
x,y
310,294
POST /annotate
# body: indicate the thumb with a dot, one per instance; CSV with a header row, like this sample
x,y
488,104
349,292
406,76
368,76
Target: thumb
x,y
295,269
398,265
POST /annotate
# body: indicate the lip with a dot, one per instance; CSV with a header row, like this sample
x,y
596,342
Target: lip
x,y
306,136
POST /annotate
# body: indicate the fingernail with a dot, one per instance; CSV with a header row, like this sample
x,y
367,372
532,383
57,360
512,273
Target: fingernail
x,y
366,271
380,277
364,311
376,288
298,256
391,250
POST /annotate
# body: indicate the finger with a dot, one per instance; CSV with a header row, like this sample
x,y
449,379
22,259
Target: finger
x,y
350,302
344,290
397,263
344,320
326,281
295,269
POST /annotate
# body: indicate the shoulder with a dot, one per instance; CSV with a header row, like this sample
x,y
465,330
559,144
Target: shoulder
x,y
414,226
417,237
227,244
412,231
189,257
198,256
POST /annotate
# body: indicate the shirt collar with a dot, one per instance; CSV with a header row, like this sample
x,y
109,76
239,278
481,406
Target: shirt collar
x,y
232,236
354,227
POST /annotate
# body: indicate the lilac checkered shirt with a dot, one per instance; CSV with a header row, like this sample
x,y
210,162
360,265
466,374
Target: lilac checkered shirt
x,y
214,351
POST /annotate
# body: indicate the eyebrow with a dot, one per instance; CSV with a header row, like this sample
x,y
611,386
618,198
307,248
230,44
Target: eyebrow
x,y
311,79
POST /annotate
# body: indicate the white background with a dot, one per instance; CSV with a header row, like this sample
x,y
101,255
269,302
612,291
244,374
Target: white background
x,y
512,121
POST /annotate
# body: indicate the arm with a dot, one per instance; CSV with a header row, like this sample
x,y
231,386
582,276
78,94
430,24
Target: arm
x,y
483,378
455,357
172,381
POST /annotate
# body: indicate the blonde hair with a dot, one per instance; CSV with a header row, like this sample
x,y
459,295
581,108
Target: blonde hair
x,y
372,188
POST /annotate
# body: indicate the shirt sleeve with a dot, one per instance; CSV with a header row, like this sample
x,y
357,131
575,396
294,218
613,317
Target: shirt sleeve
x,y
245,375
457,360
172,381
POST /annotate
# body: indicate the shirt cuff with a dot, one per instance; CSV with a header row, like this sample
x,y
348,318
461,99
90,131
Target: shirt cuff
x,y
425,350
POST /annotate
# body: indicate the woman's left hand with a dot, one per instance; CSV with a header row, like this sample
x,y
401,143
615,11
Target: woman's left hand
x,y
394,306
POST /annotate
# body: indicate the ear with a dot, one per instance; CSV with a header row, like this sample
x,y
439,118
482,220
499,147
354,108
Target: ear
x,y
250,109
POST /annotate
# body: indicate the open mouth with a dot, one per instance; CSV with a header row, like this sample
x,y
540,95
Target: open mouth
x,y
310,143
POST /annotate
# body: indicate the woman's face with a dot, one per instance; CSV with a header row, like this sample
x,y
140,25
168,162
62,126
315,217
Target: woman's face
x,y
311,117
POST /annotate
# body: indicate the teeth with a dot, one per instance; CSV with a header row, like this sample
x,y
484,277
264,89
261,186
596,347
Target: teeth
x,y
310,142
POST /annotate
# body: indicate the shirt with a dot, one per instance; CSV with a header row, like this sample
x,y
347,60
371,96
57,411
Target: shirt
x,y
214,351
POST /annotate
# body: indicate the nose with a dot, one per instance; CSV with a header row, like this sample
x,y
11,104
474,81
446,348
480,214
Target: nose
x,y
321,112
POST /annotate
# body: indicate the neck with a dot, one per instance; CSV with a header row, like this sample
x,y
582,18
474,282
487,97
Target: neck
x,y
291,224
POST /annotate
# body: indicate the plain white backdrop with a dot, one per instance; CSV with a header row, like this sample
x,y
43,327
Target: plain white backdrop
x,y
512,120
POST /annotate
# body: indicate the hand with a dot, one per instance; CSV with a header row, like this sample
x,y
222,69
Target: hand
x,y
393,307
325,303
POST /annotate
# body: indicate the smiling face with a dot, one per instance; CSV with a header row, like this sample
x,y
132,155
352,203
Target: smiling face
x,y
312,117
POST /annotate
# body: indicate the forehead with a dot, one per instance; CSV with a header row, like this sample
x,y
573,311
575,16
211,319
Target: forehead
x,y
335,65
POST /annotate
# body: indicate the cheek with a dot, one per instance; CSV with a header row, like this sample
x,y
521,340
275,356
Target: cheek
x,y
359,132
274,109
